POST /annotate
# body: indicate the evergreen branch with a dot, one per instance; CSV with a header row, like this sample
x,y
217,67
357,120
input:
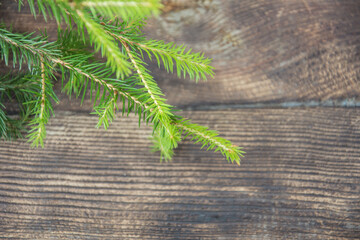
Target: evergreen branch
x,y
42,107
57,9
20,87
115,59
125,9
162,145
193,65
162,141
210,139
9,128
24,48
3,126
145,82
80,69
140,90
161,111
187,63
92,76
106,111
40,51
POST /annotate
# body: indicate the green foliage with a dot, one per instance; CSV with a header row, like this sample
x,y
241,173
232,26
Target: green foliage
x,y
209,138
20,88
25,49
115,58
127,9
171,56
163,145
118,82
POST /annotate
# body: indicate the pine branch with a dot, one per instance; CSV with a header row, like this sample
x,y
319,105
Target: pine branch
x,y
82,67
9,128
162,145
58,9
139,89
187,63
210,139
33,51
162,141
25,49
161,111
42,107
20,87
125,9
106,111
3,125
115,59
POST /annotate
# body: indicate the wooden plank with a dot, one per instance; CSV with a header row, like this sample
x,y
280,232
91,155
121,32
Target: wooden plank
x,y
300,179
263,51
266,51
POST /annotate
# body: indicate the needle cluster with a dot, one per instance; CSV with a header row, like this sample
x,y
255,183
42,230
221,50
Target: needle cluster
x,y
121,82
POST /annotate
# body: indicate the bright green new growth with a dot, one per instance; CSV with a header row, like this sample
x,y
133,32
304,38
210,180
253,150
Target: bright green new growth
x,y
122,82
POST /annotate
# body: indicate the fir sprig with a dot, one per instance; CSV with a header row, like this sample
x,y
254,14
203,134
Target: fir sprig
x,y
125,8
25,49
9,128
210,139
19,87
42,107
115,58
122,79
3,125
187,63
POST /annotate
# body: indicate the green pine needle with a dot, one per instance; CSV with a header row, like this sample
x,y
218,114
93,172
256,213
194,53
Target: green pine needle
x,y
121,82
125,8
210,140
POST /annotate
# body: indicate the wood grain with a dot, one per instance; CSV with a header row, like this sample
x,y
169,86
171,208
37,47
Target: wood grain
x,y
263,51
266,51
300,180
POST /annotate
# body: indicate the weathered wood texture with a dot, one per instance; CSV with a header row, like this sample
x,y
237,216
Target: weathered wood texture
x,y
300,180
301,175
263,51
266,51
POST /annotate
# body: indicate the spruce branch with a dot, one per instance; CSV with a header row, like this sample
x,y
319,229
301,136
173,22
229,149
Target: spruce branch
x,y
162,145
106,111
161,111
19,87
50,9
9,128
115,59
125,8
25,48
210,139
123,45
113,86
39,51
3,125
42,106
187,63
149,84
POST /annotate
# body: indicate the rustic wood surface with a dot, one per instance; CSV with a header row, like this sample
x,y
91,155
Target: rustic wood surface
x,y
300,178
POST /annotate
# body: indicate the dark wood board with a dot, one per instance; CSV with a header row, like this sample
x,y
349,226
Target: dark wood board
x,y
300,179
263,51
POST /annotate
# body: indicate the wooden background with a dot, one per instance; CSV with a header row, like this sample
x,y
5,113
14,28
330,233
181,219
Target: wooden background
x,y
287,89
